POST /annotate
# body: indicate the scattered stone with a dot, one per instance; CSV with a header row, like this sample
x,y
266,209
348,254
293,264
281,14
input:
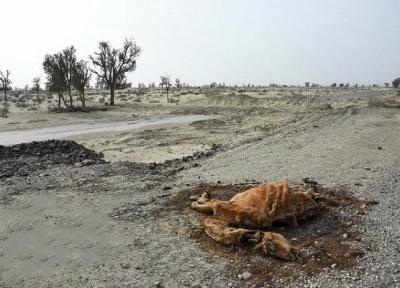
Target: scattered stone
x,y
325,106
354,253
125,265
244,276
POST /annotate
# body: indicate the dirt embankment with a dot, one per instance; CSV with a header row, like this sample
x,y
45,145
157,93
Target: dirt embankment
x,y
24,159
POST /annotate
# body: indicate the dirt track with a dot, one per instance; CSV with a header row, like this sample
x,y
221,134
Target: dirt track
x,y
106,225
61,132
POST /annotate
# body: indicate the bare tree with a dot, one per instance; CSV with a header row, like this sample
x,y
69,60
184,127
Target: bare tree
x,y
5,82
80,79
68,64
166,82
36,86
112,64
178,84
56,81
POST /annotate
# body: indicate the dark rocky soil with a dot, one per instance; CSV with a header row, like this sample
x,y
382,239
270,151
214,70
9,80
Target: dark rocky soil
x,y
24,159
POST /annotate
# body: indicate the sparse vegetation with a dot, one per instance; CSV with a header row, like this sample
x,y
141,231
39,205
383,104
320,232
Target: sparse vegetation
x,y
80,80
4,110
166,82
56,81
64,73
396,83
36,86
5,82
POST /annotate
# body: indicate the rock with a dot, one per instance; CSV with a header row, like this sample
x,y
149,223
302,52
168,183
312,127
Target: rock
x,y
354,253
333,265
244,276
87,162
325,106
125,265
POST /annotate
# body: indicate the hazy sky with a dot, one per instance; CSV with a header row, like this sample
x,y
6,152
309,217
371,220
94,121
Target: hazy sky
x,y
232,41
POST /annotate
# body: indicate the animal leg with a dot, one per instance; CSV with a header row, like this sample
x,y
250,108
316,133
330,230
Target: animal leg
x,y
275,244
220,231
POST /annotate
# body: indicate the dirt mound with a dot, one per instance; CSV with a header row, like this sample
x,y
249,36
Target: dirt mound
x,y
24,159
232,100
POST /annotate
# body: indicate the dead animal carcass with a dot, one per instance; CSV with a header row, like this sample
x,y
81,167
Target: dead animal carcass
x,y
247,215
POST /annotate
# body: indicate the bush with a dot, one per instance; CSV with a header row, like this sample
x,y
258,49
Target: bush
x,y
396,83
4,110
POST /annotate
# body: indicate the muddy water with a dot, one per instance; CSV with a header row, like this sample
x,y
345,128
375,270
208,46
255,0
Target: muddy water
x,y
60,132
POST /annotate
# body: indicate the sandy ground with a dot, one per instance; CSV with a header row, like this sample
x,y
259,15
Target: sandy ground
x,y
106,225
242,115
